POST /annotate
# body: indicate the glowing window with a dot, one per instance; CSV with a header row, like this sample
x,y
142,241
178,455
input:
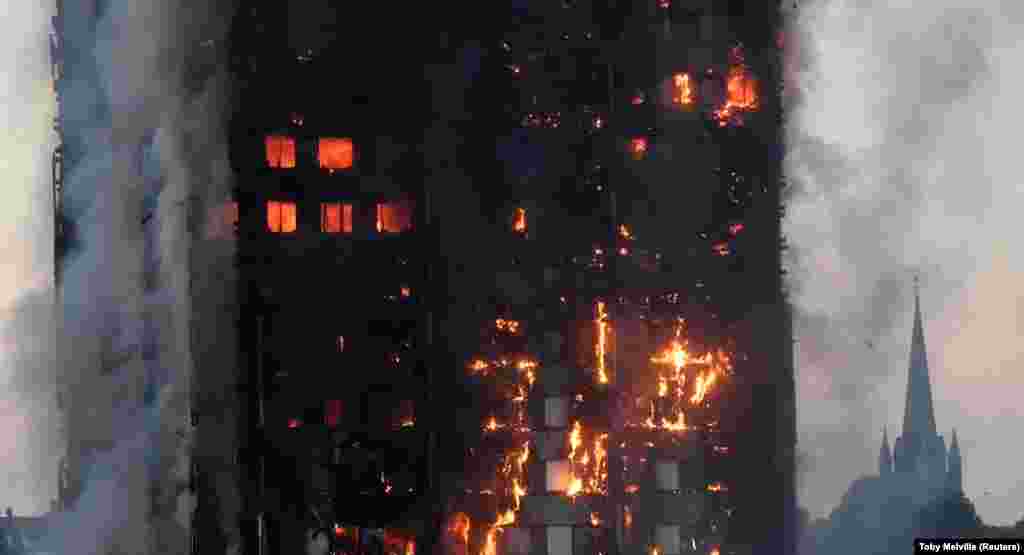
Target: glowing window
x,y
335,153
394,216
281,216
638,147
280,151
335,217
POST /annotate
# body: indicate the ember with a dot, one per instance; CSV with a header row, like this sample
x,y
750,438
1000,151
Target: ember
x,y
519,221
683,93
638,147
600,350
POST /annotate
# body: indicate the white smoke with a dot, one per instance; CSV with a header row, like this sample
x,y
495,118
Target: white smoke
x,y
902,157
135,497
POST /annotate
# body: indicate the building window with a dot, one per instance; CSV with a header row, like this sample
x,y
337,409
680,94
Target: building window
x,y
332,413
280,151
394,216
335,153
335,217
281,216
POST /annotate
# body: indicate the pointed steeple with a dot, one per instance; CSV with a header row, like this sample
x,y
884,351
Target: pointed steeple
x,y
918,415
885,455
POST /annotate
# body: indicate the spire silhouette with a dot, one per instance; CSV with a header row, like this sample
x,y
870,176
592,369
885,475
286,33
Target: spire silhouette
x,y
918,415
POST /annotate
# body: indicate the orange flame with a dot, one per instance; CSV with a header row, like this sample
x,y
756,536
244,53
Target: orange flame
x,y
741,92
624,232
410,548
655,550
662,386
491,425
478,365
519,221
595,519
684,93
510,326
602,342
638,147
715,551
459,527
704,382
717,487
627,516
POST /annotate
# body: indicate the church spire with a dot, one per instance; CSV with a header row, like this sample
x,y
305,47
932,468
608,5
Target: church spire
x,y
885,455
955,476
918,415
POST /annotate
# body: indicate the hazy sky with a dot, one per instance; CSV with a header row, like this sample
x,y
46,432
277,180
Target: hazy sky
x,y
27,101
904,155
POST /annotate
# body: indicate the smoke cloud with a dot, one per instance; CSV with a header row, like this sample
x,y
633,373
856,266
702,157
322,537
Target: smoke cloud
x,y
900,159
29,446
135,190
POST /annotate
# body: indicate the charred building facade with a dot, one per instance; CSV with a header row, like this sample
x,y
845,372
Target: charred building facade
x,y
516,288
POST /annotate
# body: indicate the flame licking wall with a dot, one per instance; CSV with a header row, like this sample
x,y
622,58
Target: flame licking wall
x,y
140,96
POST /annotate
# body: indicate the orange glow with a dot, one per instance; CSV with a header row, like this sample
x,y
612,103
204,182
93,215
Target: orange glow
x,y
638,147
410,548
407,422
595,519
683,91
717,487
335,153
624,232
335,217
405,291
479,366
394,217
600,350
662,386
459,527
280,150
281,216
715,550
704,382
741,92
721,249
519,221
491,425
655,550
510,326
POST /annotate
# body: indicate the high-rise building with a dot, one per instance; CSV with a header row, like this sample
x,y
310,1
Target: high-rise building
x,y
506,281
